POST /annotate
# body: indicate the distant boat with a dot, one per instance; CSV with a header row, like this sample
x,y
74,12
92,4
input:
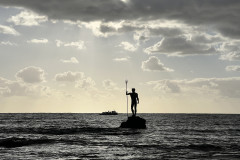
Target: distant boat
x,y
109,113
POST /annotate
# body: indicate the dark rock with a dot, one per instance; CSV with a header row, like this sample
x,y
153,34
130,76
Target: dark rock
x,y
134,122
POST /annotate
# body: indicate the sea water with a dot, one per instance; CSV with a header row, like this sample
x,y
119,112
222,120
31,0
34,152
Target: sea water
x,y
93,136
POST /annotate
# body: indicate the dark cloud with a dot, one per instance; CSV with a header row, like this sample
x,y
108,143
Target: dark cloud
x,y
182,45
124,27
74,9
106,29
220,14
130,27
164,31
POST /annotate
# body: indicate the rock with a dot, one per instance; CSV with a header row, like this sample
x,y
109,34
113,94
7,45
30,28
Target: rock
x,y
134,122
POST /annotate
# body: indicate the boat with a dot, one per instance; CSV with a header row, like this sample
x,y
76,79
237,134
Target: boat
x,y
109,113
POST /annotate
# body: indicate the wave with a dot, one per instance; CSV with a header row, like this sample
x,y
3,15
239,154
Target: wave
x,y
87,130
62,131
13,142
204,147
201,147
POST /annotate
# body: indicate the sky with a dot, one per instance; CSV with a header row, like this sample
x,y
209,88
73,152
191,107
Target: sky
x,y
74,56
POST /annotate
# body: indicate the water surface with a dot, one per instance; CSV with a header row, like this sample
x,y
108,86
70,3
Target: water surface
x,y
93,136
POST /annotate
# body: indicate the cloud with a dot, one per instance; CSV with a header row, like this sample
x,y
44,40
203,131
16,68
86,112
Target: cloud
x,y
72,60
69,76
31,74
101,29
10,88
106,29
154,64
230,50
27,18
86,83
73,10
165,86
7,43
124,59
128,46
78,44
178,26
109,85
184,45
220,15
141,36
59,43
142,29
223,87
231,56
38,41
8,30
165,31
233,68
78,78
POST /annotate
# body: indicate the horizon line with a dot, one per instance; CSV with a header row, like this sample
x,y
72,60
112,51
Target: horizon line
x,y
101,112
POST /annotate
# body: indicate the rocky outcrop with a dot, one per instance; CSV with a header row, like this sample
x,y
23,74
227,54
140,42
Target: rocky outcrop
x,y
134,122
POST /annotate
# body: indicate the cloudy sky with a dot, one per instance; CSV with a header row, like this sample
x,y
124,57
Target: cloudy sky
x,y
74,56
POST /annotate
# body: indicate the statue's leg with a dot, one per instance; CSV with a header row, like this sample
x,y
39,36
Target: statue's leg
x,y
132,108
135,108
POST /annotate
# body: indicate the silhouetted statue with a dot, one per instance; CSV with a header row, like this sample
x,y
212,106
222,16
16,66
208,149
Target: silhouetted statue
x,y
135,100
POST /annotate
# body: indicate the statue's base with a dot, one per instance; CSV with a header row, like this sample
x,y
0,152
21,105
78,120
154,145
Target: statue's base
x,y
134,122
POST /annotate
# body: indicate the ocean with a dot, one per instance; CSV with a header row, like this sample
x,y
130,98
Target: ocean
x,y
94,136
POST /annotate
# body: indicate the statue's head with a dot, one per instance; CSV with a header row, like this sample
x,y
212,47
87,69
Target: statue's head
x,y
133,90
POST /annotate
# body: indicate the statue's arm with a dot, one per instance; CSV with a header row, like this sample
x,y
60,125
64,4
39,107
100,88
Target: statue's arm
x,y
127,93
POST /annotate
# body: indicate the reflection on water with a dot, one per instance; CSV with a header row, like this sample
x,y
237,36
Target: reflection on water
x,y
92,136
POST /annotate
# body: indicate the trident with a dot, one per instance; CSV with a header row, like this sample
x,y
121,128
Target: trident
x,y
126,81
